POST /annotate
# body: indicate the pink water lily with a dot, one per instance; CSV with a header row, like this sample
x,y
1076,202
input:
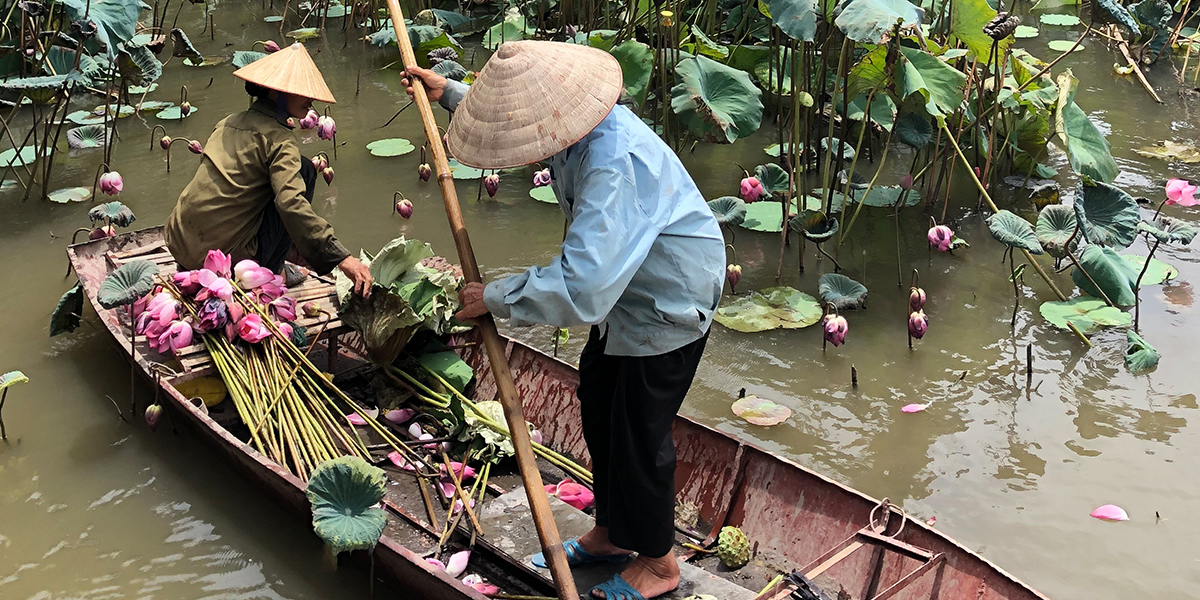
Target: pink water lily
x,y
541,178
914,408
1181,193
941,237
400,416
178,335
572,493
477,583
214,285
752,189
1110,512
326,128
218,262
252,329
310,120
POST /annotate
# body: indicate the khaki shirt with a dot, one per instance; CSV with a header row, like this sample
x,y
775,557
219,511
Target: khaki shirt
x,y
250,160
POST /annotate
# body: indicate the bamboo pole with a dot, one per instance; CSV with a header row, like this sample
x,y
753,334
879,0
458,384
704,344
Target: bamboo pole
x,y
539,503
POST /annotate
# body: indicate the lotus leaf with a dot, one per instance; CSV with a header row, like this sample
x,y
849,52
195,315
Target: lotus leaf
x,y
766,216
774,150
343,493
449,366
115,20
637,62
1055,226
1045,195
461,171
1111,272
12,378
458,23
1140,356
85,117
138,65
390,147
1086,147
759,411
62,60
715,102
885,196
514,27
1172,151
304,34
602,39
153,105
1025,32
112,212
174,113
966,24
40,90
1060,20
939,84
704,45
872,21
914,130
796,18
1065,46
143,89
450,70
71,194
1120,14
1169,231
1011,230
1087,314
872,72
772,308
814,225
729,210
272,18
883,110
767,73
1153,15
397,258
87,136
11,158
841,291
183,47
65,318
1107,214
427,39
385,321
242,58
773,178
544,194
206,61
125,285
498,444
846,149
1158,271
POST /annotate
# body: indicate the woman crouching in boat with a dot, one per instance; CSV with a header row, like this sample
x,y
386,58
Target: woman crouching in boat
x,y
252,195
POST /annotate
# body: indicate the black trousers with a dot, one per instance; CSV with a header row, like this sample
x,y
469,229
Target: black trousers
x,y
274,243
628,405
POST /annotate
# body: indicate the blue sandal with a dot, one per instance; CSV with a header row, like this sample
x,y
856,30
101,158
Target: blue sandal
x,y
576,556
617,589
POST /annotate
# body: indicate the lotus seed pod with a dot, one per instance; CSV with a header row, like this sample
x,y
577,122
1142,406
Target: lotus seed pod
x,y
733,548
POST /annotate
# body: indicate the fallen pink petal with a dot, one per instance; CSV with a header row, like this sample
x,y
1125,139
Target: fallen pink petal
x,y
914,408
1110,512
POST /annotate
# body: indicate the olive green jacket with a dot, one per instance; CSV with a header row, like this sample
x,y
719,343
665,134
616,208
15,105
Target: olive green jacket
x,y
251,159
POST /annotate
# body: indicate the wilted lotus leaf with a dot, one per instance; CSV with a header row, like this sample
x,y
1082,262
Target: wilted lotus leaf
x,y
772,308
390,147
242,58
72,194
114,212
450,70
304,34
729,210
1172,151
205,61
343,493
65,318
1158,271
138,65
758,411
1168,230
1012,230
87,136
1087,314
1139,354
129,282
841,291
1045,195
183,47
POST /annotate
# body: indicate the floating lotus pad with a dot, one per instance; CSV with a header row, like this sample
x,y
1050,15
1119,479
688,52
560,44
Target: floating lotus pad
x,y
1172,151
765,215
125,285
729,210
841,291
85,117
305,34
72,194
544,194
11,158
1139,354
12,378
207,61
772,308
461,171
242,58
143,89
272,18
1060,20
65,318
758,411
1111,272
1158,271
391,147
1012,230
1087,314
1025,32
174,113
1064,46
343,493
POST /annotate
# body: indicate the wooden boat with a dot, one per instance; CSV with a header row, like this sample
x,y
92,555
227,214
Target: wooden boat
x,y
851,545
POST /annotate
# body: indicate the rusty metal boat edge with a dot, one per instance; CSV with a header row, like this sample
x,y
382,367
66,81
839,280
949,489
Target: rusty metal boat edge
x,y
796,518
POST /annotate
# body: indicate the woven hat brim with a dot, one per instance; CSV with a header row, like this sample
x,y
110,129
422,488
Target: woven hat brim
x,y
290,70
532,100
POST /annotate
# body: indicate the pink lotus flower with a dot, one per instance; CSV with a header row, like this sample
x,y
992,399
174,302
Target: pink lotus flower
x,y
213,313
270,46
254,277
188,282
327,175
242,266
404,208
401,462
214,285
941,237
165,312
572,493
914,408
415,430
1181,193
153,414
1110,512
235,316
252,329
536,436
100,233
752,189
326,128
112,184
424,171
178,335
285,331
310,120
195,148
284,308
835,329
916,299
491,183
918,324
320,162
268,292
218,262
906,182
154,331
464,472
477,583
541,178
142,322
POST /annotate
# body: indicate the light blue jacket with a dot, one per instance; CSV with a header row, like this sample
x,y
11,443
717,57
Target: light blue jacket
x,y
643,256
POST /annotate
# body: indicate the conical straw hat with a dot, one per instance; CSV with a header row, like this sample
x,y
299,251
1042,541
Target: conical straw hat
x,y
289,70
532,100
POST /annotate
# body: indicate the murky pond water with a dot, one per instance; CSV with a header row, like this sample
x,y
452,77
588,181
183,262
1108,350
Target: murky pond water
x,y
91,507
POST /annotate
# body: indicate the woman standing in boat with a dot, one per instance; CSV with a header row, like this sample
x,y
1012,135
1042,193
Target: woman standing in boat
x,y
252,195
642,263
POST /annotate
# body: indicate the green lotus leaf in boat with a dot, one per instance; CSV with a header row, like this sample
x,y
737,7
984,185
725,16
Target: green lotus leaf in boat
x,y
343,493
125,285
1086,313
772,308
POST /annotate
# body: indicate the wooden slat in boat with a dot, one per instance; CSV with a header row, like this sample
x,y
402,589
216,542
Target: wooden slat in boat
x,y
798,519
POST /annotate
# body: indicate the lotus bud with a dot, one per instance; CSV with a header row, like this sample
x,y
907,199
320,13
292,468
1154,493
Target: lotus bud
x,y
906,182
310,120
916,299
326,128
733,273
195,147
270,46
941,237
177,336
214,314
491,183
752,189
165,142
310,309
284,308
835,329
153,414
424,171
185,108
917,324
405,208
320,162
111,183
327,174
100,233
541,178
536,436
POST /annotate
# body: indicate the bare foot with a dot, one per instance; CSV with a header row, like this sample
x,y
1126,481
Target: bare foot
x,y
651,577
595,542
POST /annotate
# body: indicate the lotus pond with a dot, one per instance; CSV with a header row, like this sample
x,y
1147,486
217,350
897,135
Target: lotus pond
x,y
1000,424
